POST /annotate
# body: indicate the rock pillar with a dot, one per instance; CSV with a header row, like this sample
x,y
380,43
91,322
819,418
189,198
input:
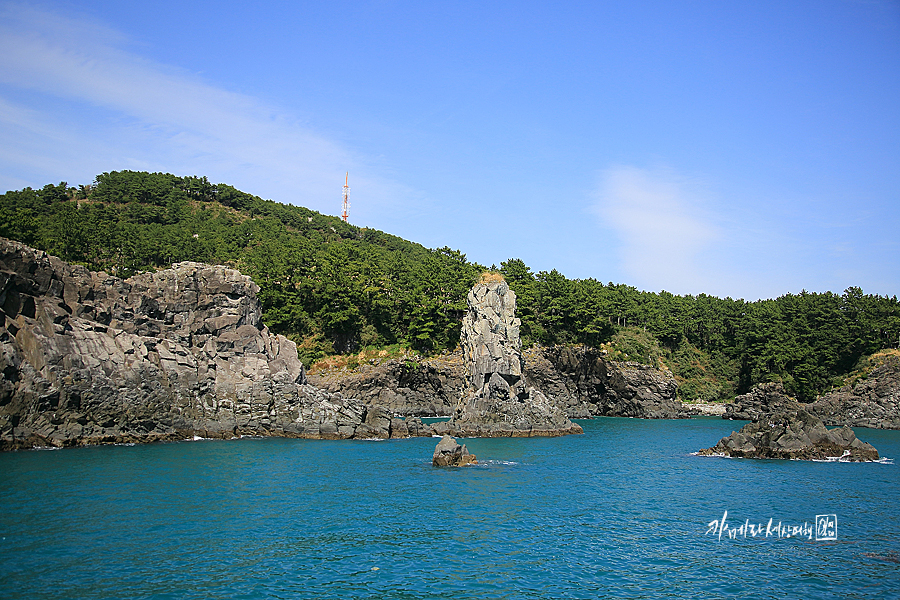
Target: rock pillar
x,y
497,401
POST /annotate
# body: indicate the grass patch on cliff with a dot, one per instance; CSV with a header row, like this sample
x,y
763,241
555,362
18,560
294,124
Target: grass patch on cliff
x,y
491,277
370,355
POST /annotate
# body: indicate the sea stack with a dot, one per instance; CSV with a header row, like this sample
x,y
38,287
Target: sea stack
x,y
496,401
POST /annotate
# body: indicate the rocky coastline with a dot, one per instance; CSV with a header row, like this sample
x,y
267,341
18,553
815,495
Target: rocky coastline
x,y
590,385
873,402
89,358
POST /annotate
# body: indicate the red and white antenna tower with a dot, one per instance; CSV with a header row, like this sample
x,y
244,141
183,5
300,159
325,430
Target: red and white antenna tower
x,y
345,208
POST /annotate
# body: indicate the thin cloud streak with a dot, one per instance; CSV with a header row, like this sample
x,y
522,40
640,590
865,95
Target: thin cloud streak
x,y
662,232
173,120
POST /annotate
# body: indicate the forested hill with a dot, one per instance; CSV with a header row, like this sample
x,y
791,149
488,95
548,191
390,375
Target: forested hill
x,y
335,287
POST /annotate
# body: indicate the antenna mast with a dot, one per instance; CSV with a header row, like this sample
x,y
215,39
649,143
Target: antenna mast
x,y
345,208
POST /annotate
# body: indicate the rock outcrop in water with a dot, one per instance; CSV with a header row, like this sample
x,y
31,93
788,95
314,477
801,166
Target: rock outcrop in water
x,y
498,401
88,358
449,453
793,434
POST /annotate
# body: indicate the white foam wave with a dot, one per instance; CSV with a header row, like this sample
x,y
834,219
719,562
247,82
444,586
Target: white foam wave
x,y
838,458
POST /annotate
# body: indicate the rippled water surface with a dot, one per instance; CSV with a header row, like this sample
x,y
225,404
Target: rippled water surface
x,y
622,511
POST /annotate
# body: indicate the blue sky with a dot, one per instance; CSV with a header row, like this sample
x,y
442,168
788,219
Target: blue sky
x,y
743,149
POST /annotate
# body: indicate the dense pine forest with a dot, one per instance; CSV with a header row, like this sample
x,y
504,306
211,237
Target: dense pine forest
x,y
336,288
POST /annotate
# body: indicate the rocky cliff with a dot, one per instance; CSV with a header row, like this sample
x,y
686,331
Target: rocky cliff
x,y
424,388
497,400
89,358
873,402
764,399
580,380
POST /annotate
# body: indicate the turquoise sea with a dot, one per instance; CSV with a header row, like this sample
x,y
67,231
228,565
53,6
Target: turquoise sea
x,y
623,511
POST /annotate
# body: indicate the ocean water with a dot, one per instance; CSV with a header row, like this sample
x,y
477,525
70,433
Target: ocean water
x,y
623,511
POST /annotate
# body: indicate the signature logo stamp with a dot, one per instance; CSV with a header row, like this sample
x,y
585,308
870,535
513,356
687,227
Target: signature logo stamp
x,y
826,528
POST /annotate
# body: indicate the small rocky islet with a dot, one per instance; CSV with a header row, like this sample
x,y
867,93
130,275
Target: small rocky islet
x,y
781,427
449,453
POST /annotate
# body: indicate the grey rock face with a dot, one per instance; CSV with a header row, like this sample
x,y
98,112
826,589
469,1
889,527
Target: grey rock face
x,y
88,358
429,388
588,385
579,380
448,453
498,401
793,434
764,399
873,402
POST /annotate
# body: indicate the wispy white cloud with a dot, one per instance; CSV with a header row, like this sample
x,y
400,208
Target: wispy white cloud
x,y
665,236
76,101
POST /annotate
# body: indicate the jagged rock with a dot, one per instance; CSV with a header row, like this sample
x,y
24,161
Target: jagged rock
x,y
416,428
793,434
586,384
764,399
448,453
426,388
873,402
498,401
578,379
89,358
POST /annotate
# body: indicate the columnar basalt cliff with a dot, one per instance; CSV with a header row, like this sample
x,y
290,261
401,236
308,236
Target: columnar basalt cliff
x,y
88,358
497,400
